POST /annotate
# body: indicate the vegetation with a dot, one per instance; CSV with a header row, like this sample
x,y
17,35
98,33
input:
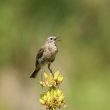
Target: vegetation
x,y
83,57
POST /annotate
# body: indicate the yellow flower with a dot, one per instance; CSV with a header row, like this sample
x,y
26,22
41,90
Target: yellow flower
x,y
42,101
60,78
43,98
61,98
56,75
42,84
59,92
54,97
50,80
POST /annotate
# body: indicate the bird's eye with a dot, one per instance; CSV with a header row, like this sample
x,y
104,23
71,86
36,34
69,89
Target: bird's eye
x,y
51,38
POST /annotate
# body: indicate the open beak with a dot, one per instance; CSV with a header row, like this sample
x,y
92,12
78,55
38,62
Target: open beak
x,y
58,38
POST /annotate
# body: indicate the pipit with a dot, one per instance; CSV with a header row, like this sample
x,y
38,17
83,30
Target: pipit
x,y
46,55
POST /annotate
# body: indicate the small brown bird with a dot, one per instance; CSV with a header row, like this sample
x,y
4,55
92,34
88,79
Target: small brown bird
x,y
46,55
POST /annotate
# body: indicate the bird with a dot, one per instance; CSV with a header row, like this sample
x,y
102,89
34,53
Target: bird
x,y
46,55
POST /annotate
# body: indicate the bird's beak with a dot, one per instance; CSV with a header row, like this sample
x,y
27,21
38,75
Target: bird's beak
x,y
58,38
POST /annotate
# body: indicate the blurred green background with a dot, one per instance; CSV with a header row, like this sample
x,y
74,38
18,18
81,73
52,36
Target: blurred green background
x,y
83,58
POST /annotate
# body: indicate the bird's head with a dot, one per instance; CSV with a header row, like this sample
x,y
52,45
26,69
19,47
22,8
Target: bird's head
x,y
51,39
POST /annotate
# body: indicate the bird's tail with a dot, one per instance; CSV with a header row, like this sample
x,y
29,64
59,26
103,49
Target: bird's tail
x,y
34,74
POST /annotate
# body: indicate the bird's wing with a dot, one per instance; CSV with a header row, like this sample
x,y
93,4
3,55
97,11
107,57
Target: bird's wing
x,y
40,53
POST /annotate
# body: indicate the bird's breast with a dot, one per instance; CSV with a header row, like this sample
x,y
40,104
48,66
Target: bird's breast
x,y
50,52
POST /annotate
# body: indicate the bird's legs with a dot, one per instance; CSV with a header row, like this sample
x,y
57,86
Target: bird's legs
x,y
50,69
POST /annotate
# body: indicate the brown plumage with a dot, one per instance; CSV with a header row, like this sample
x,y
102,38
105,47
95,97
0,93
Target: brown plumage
x,y
46,55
